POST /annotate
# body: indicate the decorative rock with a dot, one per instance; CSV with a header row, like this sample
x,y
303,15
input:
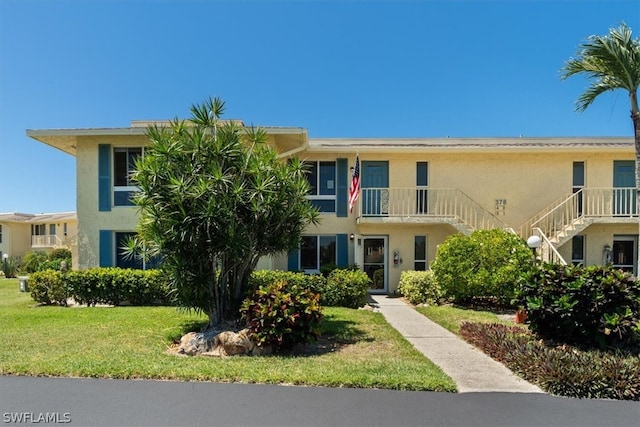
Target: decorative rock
x,y
225,343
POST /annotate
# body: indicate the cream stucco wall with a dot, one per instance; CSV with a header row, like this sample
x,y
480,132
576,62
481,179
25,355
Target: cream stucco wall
x,y
528,181
90,219
16,239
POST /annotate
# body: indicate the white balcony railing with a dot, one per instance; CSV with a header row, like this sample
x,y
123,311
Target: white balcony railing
x,y
423,202
46,241
585,204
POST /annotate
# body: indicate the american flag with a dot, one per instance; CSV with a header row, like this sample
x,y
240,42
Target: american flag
x,y
354,191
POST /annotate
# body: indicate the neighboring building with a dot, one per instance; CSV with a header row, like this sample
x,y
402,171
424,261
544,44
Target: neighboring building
x,y
21,233
578,194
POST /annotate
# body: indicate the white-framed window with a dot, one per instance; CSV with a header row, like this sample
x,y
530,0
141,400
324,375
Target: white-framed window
x,y
124,159
420,253
322,180
317,251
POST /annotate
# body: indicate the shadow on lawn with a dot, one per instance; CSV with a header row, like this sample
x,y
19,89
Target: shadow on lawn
x,y
336,334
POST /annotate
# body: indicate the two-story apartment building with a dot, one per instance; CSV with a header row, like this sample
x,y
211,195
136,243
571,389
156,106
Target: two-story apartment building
x,y
577,194
22,232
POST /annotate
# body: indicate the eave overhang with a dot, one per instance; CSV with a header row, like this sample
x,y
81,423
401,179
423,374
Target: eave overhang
x,y
286,140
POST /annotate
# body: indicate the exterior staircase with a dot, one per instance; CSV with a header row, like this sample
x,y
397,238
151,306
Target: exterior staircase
x,y
573,213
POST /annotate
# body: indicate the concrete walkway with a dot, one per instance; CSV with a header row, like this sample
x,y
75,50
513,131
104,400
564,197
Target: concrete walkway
x,y
470,368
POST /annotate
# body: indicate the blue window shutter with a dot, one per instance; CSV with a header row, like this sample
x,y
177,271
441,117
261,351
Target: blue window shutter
x,y
343,184
292,264
343,250
104,177
106,250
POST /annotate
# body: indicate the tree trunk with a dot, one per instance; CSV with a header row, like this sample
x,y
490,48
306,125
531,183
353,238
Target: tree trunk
x,y
635,117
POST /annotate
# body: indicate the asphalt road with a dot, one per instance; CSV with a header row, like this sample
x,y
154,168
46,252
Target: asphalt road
x,y
93,402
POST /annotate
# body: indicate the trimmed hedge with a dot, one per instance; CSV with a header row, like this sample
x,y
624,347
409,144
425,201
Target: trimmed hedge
x,y
113,286
420,287
341,288
48,287
345,288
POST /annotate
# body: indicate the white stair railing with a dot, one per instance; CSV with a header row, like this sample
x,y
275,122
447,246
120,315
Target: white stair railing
x,y
427,202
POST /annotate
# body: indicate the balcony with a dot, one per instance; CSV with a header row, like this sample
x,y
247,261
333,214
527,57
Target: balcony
x,y
425,206
46,241
571,214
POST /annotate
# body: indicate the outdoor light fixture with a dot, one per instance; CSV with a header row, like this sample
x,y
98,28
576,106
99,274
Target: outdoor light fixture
x,y
534,242
352,236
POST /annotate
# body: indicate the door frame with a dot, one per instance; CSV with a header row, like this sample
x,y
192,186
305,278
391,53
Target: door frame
x,y
374,202
626,238
385,263
624,204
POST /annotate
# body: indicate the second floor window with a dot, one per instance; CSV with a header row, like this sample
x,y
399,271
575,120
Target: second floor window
x,y
123,167
322,180
39,230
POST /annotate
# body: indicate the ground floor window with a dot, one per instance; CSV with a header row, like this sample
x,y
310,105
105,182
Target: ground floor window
x,y
317,251
420,253
124,261
578,250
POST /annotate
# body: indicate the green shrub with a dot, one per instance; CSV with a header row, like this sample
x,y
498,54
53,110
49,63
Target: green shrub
x,y
112,286
85,286
32,261
282,315
485,265
10,266
560,370
48,287
60,254
419,287
314,282
345,288
592,306
39,260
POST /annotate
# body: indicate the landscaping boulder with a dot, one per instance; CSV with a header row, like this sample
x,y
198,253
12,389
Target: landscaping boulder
x,y
225,343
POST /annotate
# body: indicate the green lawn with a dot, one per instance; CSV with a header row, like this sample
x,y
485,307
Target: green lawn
x,y
451,318
358,349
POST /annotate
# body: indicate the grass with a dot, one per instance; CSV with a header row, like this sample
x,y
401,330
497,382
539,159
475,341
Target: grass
x,y
450,317
358,348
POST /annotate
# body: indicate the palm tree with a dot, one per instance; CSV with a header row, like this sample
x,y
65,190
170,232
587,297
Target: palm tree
x,y
610,62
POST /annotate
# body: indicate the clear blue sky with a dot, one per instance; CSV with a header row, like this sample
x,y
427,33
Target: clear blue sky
x,y
338,68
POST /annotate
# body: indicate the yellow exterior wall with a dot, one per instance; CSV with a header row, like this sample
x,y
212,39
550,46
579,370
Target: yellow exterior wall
x,y
16,236
528,181
16,239
91,220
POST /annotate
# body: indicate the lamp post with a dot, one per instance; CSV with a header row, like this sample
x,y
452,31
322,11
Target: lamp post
x,y
5,258
534,243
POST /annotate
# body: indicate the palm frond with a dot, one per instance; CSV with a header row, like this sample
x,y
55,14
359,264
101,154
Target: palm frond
x,y
611,61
